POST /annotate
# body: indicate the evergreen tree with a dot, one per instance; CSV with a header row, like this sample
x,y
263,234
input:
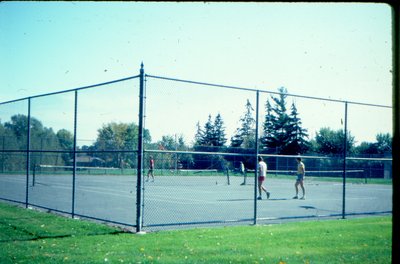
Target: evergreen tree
x,y
219,139
268,127
213,133
282,132
245,135
297,135
281,121
209,139
208,136
198,137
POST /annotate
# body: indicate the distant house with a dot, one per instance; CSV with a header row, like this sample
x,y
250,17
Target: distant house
x,y
87,161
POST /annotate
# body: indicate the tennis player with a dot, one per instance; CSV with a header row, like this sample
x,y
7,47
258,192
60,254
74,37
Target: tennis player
x,y
262,174
243,172
300,179
151,169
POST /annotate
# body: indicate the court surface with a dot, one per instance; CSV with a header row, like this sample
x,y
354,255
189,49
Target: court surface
x,y
172,201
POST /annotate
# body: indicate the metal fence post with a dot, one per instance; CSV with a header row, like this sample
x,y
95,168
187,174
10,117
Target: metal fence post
x,y
139,187
74,154
28,153
344,162
396,118
256,159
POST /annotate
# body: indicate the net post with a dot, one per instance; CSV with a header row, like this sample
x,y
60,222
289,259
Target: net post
x,y
139,187
365,176
34,175
227,174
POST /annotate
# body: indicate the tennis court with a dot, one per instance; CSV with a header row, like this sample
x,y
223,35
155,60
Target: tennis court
x,y
183,200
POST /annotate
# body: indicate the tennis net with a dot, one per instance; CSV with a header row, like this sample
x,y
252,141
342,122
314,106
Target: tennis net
x,y
58,170
354,173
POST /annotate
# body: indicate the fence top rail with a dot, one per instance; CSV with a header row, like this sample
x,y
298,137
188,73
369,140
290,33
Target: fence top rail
x,y
194,82
265,91
71,90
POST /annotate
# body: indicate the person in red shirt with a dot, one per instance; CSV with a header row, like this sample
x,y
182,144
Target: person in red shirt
x,y
151,169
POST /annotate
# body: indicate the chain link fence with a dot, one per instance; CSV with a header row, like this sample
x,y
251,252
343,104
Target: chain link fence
x,y
86,152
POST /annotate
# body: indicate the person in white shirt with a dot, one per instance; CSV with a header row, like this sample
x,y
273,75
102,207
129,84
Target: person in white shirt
x,y
243,172
262,174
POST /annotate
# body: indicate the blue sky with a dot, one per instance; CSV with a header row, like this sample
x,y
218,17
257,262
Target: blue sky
x,y
338,51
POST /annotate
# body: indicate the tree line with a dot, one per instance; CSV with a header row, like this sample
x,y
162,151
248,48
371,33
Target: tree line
x,y
281,132
13,136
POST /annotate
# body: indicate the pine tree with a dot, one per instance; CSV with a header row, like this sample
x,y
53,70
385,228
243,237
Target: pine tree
x,y
219,139
213,133
245,135
283,132
208,136
211,138
198,137
281,120
268,128
297,135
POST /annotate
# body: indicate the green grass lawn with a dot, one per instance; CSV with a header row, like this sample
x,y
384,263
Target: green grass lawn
x,y
29,236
